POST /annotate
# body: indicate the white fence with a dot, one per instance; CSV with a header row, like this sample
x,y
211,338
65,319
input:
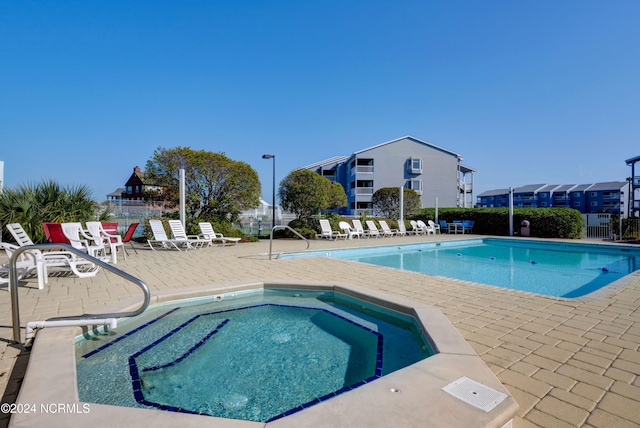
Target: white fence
x,y
597,226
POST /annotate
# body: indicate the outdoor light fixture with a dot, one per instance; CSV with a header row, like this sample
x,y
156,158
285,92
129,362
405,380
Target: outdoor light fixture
x,y
273,196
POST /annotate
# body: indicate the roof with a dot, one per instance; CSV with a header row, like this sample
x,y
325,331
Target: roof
x,y
633,160
465,169
458,155
564,188
611,185
529,188
331,161
496,192
118,192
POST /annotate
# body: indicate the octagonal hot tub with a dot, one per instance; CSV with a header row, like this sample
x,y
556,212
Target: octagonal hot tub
x,y
286,354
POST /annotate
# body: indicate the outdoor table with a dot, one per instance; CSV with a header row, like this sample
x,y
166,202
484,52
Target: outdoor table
x,y
455,227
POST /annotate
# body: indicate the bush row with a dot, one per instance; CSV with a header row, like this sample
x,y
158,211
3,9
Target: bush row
x,y
544,222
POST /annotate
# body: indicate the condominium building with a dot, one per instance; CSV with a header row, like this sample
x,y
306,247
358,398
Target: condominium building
x,y
435,173
609,197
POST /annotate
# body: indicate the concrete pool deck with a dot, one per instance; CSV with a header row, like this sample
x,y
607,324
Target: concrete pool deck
x,y
567,363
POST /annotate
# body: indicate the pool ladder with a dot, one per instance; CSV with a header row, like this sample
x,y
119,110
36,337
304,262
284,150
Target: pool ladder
x,y
109,319
283,227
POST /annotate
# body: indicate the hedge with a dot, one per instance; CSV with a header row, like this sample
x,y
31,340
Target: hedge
x,y
544,222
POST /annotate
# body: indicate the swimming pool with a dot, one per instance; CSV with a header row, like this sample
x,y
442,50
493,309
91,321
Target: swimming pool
x,y
254,356
555,269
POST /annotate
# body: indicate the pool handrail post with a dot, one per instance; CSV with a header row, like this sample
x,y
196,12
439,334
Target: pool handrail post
x,y
284,227
13,285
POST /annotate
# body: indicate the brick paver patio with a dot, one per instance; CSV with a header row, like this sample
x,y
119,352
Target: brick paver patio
x,y
567,363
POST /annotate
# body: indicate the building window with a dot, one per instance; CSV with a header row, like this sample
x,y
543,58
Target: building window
x,y
415,166
129,190
594,204
543,204
415,185
594,194
576,194
576,204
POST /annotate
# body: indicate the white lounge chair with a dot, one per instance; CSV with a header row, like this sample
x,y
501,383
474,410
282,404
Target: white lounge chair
x,y
25,265
386,230
160,236
348,230
416,229
82,268
427,229
96,231
180,236
357,225
326,232
402,229
436,228
372,229
80,240
209,234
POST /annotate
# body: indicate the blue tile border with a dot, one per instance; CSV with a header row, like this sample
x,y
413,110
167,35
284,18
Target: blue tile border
x,y
95,351
136,382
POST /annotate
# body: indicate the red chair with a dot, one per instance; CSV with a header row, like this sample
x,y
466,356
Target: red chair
x,y
129,234
110,227
54,234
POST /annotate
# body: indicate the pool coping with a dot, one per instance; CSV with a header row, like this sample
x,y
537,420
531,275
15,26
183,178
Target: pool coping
x,y
51,378
598,294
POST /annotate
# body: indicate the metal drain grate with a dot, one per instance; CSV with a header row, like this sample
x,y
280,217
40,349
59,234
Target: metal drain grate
x,y
474,393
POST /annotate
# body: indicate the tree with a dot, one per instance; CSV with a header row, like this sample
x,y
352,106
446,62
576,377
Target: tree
x,y
305,192
216,186
338,196
32,204
387,201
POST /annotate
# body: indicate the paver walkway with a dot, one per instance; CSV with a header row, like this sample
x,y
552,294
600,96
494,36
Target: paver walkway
x,y
567,363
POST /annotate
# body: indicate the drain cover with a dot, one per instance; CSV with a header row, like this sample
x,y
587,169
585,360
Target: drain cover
x,y
474,393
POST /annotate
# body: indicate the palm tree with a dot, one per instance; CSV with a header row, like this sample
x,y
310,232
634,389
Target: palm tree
x,y
32,204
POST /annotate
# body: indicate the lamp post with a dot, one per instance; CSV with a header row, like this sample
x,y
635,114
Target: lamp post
x,y
273,195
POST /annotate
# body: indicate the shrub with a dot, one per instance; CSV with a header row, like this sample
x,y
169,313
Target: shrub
x,y
545,222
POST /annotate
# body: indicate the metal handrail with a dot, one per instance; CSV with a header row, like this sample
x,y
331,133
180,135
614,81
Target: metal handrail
x,y
284,227
13,285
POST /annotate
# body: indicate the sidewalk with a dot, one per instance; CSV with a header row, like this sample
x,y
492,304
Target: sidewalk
x,y
567,363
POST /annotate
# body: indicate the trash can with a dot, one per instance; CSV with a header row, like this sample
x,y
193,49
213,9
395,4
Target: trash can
x,y
524,228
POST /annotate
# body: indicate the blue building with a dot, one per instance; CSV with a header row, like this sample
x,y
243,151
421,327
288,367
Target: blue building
x,y
606,197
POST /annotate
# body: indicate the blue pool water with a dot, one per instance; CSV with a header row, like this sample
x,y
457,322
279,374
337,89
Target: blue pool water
x,y
259,357
553,269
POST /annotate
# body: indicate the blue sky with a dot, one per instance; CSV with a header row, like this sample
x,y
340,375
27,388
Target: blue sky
x,y
528,92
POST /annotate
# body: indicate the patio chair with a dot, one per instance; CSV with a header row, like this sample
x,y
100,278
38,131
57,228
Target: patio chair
x,y
53,233
128,235
386,230
434,226
402,229
348,230
81,267
417,230
444,226
467,226
24,266
426,229
97,232
357,225
326,232
373,229
209,234
160,236
94,246
179,235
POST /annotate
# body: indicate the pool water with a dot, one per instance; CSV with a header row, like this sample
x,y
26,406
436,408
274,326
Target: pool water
x,y
257,357
553,269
